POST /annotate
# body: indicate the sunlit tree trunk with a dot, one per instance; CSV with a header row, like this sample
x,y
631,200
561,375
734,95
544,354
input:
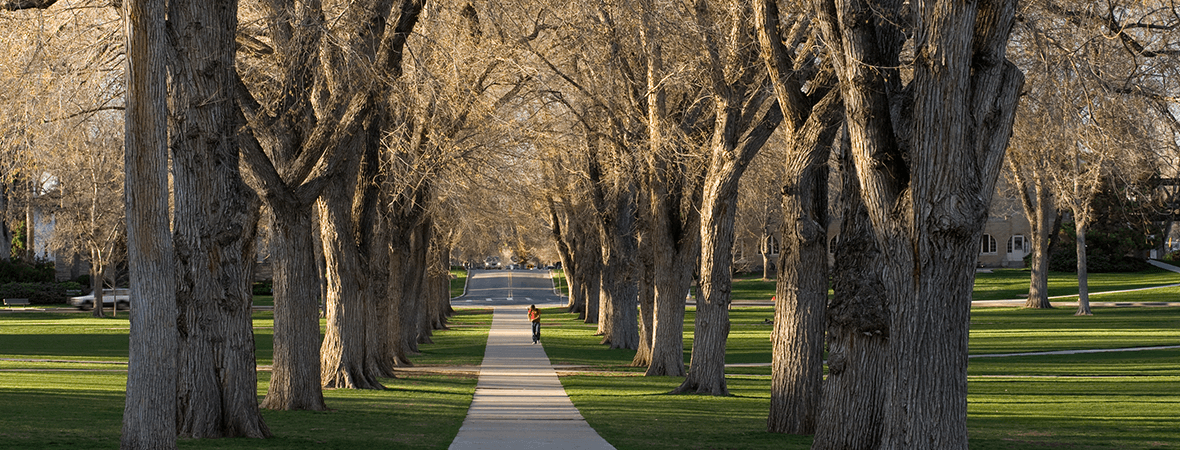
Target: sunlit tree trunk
x,y
343,351
1037,203
802,289
927,155
214,227
646,301
149,414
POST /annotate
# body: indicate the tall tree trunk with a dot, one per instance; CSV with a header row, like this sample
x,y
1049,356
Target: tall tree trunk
x,y
295,378
214,227
589,273
928,155
343,353
400,268
646,301
149,414
425,325
440,302
620,283
675,234
30,253
741,129
707,369
1041,222
1083,273
97,272
381,346
852,415
765,258
6,234
565,251
802,287
673,279
1038,208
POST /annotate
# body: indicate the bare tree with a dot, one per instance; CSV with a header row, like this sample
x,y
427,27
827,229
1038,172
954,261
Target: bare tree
x,y
929,99
1098,79
745,114
812,120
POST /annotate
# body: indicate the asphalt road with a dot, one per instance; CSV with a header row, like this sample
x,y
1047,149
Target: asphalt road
x,y
508,287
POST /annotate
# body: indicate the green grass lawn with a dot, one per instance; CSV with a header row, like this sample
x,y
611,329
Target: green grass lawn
x,y
72,396
1088,401
458,282
1003,284
559,281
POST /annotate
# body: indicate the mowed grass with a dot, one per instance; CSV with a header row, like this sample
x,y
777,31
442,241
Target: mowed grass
x,y
64,375
559,282
1004,284
570,341
458,282
1084,401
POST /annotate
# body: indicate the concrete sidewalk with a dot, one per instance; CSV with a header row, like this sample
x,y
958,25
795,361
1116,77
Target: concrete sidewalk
x,y
519,403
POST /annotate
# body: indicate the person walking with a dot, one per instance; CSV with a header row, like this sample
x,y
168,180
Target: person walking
x,y
535,318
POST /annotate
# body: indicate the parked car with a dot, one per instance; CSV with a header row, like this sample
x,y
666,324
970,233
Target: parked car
x,y
120,298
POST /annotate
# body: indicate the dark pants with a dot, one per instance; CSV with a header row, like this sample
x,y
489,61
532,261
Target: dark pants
x,y
536,331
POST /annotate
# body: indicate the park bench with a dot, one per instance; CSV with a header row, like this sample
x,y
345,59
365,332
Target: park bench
x,y
16,302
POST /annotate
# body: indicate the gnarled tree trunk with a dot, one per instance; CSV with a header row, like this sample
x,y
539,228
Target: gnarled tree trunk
x,y
852,415
214,225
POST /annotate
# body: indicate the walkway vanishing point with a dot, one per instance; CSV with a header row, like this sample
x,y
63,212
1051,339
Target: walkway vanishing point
x,y
519,402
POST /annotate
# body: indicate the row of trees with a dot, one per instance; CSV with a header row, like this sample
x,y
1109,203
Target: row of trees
x,y
312,114
383,134
1097,113
668,121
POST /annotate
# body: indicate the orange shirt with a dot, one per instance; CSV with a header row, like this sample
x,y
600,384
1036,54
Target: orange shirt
x,y
534,315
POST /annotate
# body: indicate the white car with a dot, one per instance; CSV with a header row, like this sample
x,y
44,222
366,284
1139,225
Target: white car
x,y
118,297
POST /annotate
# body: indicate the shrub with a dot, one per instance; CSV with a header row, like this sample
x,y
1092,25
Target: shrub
x,y
37,293
263,288
17,271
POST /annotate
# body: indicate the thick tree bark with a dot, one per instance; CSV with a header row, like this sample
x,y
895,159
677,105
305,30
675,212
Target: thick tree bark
x,y
673,279
620,283
97,272
852,415
675,232
561,239
214,228
738,135
382,355
589,272
295,378
400,313
745,115
646,301
425,324
149,414
927,154
6,229
802,287
343,353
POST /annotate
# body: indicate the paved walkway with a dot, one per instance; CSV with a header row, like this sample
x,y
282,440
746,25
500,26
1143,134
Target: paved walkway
x,y
519,403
